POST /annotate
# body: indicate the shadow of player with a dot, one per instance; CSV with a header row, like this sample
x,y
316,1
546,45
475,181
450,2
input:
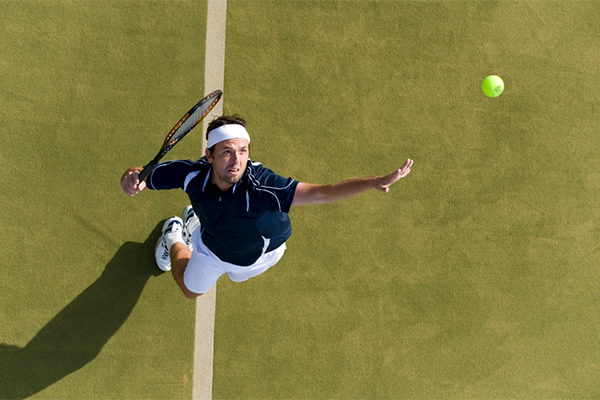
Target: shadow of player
x,y
75,336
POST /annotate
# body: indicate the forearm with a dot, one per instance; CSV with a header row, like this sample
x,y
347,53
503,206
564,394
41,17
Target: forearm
x,y
338,191
308,193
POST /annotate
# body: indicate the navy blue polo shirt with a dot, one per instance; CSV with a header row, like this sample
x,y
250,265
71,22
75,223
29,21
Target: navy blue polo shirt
x,y
234,222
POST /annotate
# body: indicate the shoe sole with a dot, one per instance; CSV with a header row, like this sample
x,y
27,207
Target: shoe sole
x,y
158,243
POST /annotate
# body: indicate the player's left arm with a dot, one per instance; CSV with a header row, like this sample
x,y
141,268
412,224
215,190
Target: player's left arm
x,y
308,193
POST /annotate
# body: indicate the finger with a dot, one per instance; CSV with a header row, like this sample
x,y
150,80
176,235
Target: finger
x,y
132,183
125,186
130,190
129,185
405,169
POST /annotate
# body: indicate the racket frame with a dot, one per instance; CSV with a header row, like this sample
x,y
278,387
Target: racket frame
x,y
168,143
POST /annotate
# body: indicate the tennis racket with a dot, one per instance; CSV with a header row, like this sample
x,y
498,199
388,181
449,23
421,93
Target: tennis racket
x,y
182,128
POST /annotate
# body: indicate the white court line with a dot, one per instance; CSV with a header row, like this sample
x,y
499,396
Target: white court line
x,y
205,305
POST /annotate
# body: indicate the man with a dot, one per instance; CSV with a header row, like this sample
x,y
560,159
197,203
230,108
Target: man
x,y
238,221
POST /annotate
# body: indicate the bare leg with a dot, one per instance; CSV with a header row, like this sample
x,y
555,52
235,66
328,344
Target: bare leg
x,y
180,256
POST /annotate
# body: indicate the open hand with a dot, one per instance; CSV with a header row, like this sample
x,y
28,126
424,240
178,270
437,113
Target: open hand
x,y
387,180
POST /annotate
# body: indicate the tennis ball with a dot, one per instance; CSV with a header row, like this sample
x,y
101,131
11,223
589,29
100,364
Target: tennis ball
x,y
492,86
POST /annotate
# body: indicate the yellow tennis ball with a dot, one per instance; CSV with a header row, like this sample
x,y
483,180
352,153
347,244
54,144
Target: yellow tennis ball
x,y
493,86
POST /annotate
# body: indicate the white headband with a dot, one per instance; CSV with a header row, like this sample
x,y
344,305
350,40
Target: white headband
x,y
226,132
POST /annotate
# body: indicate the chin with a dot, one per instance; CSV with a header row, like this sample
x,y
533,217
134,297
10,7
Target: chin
x,y
233,180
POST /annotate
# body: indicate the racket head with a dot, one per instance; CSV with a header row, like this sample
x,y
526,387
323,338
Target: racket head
x,y
190,120
183,127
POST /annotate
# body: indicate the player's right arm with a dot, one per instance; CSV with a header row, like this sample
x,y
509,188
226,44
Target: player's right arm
x,y
166,175
130,181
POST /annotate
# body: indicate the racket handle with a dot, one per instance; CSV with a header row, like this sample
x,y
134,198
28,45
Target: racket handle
x,y
146,171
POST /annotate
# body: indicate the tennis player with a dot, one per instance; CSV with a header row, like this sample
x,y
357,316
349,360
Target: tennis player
x,y
237,223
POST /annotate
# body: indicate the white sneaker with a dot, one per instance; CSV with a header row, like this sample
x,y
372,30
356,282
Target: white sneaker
x,y
173,225
190,224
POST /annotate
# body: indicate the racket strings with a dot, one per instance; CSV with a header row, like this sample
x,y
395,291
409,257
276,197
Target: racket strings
x,y
196,116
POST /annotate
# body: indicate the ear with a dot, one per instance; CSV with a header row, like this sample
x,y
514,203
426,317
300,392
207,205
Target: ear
x,y
208,156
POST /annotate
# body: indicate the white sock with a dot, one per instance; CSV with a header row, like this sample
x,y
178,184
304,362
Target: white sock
x,y
173,237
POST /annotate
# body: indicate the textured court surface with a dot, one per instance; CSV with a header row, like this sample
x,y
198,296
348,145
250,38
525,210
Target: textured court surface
x,y
87,89
475,277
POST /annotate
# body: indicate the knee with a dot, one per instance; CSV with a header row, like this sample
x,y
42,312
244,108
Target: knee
x,y
191,295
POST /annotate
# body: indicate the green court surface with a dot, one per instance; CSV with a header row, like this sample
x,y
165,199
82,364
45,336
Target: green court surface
x,y
88,89
476,277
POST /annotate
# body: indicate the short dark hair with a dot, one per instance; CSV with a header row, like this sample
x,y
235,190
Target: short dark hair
x,y
224,120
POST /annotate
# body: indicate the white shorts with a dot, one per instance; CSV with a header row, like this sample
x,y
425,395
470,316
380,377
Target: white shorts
x,y
205,268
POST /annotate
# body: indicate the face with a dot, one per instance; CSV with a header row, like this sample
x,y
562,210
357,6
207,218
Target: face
x,y
229,161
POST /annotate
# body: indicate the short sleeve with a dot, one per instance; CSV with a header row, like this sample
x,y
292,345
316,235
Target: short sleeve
x,y
170,175
282,189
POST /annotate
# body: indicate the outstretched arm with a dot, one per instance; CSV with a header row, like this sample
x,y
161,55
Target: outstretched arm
x,y
130,181
308,193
